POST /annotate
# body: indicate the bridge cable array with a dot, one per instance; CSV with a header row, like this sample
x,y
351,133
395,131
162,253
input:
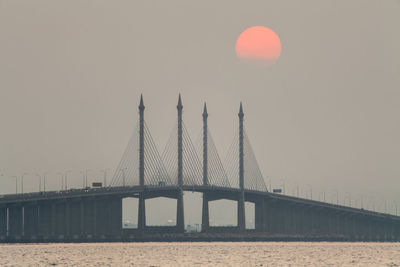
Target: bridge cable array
x,y
217,175
162,169
253,178
127,173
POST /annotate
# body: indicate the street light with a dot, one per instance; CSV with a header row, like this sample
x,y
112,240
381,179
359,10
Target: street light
x,y
319,195
83,178
347,195
44,181
270,183
337,197
360,197
16,184
310,190
62,180
283,185
86,177
65,179
40,181
105,176
295,191
22,182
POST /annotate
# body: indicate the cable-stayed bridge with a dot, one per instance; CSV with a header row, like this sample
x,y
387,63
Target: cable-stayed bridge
x,y
144,173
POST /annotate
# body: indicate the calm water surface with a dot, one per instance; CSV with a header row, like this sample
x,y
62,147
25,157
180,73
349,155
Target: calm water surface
x,y
202,254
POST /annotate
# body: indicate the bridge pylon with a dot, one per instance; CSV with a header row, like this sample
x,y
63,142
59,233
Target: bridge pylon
x,y
205,222
180,218
142,208
241,203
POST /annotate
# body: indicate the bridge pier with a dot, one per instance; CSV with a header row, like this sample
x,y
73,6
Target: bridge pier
x,y
31,220
15,223
241,212
75,228
259,215
180,217
59,219
89,218
44,219
68,219
142,213
115,216
3,222
205,215
101,216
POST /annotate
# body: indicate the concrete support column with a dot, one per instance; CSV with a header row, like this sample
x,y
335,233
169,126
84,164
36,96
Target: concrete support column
x,y
82,217
313,221
205,217
44,219
241,212
39,221
3,222
142,213
115,227
53,219
30,220
180,219
268,215
302,220
68,218
94,217
259,215
89,217
15,221
102,214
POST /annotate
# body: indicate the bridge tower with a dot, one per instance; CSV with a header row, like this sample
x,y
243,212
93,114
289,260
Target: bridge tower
x,y
241,204
180,221
142,209
205,223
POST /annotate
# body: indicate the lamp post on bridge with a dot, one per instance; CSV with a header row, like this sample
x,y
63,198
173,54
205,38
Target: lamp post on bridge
x,y
319,195
105,176
16,184
270,184
349,196
337,197
66,179
22,182
40,181
310,190
44,181
61,180
85,177
283,186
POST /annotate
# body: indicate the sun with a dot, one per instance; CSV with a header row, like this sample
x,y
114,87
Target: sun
x,y
258,44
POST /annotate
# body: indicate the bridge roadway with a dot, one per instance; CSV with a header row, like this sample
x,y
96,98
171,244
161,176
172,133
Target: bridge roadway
x,y
96,214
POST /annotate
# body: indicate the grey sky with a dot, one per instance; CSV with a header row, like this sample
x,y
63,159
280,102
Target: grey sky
x,y
326,114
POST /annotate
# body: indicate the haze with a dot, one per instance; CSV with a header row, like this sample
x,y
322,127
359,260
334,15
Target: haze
x,y
325,115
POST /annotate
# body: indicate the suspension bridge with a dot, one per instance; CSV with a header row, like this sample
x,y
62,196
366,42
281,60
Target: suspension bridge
x,y
95,214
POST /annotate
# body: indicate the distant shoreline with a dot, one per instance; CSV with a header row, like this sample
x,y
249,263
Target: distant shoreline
x,y
199,237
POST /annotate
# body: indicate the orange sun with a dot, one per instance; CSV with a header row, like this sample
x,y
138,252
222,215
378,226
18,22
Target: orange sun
x,y
259,45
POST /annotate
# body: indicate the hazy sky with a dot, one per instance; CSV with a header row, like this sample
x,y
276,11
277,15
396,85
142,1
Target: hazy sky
x,y
326,114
